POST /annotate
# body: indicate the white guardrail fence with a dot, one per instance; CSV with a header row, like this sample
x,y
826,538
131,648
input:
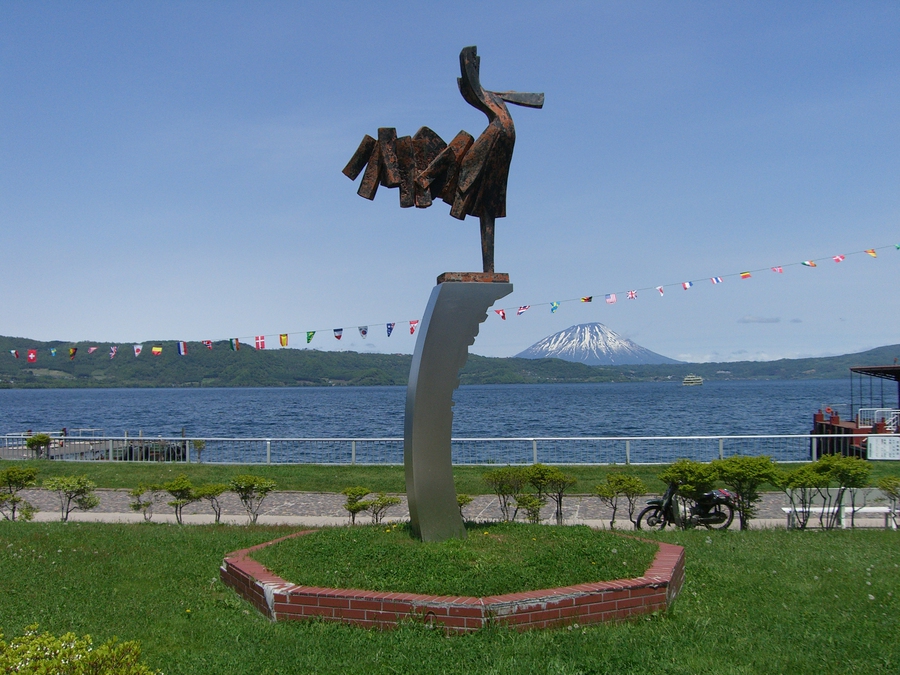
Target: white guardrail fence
x,y
580,450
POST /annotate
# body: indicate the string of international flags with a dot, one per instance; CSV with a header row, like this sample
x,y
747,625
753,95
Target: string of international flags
x,y
259,341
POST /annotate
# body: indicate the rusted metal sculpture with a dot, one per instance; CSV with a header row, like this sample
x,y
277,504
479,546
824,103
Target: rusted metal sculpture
x,y
469,174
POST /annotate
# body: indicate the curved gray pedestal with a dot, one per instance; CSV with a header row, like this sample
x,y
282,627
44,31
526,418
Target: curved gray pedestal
x,y
448,328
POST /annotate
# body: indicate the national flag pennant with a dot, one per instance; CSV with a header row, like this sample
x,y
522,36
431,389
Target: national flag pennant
x,y
14,352
138,349
72,352
235,345
553,307
660,289
52,351
390,328
610,298
871,252
687,284
522,310
182,348
156,350
632,295
588,298
32,356
412,326
502,313
113,351
745,275
309,336
716,280
897,246
338,333
808,263
260,341
838,258
207,344
778,269
91,350
283,339
363,331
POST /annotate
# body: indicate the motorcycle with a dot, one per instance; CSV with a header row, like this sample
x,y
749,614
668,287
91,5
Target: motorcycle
x,y
714,510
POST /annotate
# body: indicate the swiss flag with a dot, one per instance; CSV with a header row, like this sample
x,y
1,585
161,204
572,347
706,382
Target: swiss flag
x,y
32,356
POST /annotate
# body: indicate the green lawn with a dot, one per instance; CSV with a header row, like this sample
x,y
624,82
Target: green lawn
x,y
325,478
753,602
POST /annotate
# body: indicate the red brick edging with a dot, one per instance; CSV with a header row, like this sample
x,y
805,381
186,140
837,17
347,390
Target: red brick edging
x,y
583,603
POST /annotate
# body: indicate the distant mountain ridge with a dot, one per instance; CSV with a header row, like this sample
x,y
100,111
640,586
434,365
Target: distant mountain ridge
x,y
594,345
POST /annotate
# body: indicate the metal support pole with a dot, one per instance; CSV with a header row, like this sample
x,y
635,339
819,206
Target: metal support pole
x,y
353,452
627,452
813,449
109,451
533,451
268,451
721,448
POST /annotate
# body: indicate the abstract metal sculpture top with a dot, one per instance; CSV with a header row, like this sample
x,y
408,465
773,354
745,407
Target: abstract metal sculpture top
x,y
469,174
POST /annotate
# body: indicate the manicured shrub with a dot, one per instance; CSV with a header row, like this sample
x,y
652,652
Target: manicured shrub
x,y
507,483
378,507
251,490
144,497
744,475
183,493
462,501
355,502
620,486
850,474
531,505
38,444
74,492
210,493
802,485
12,481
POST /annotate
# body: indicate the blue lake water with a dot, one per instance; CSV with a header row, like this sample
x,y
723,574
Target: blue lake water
x,y
633,409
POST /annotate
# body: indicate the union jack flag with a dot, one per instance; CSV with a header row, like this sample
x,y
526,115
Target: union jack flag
x,y
522,310
632,295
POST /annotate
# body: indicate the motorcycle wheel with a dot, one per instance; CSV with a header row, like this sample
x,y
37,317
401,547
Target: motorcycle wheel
x,y
727,513
651,518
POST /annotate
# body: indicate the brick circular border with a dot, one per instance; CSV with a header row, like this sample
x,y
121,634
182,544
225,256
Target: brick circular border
x,y
616,600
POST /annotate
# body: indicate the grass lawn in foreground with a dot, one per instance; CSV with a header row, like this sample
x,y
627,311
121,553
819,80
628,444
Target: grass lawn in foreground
x,y
494,559
753,602
334,478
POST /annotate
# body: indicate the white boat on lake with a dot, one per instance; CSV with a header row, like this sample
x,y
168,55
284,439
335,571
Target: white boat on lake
x,y
692,380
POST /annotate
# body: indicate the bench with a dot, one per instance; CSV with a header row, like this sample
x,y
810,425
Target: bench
x,y
844,516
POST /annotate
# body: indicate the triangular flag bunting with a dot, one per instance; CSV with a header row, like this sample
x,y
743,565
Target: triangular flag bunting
x,y
390,328
309,336
588,298
182,348
363,331
52,351
72,352
610,298
553,307
91,350
14,352
687,284
522,310
156,350
838,258
808,263
338,333
871,252
778,269
502,313
207,344
138,349
745,275
235,345
260,341
113,351
661,290
716,280
632,295
412,326
283,339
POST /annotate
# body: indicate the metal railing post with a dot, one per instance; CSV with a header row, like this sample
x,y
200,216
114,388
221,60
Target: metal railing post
x,y
721,448
353,452
813,449
268,451
109,450
627,452
534,451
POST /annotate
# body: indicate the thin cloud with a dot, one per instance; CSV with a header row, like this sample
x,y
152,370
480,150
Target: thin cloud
x,y
759,319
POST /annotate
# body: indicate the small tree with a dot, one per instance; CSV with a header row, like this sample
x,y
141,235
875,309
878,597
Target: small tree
x,y
251,490
744,475
12,480
378,507
557,484
539,477
144,497
183,493
355,503
462,501
532,505
211,493
801,487
693,479
199,446
890,488
38,443
616,487
74,492
507,483
851,474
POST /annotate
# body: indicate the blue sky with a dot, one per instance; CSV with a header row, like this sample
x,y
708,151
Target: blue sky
x,y
173,171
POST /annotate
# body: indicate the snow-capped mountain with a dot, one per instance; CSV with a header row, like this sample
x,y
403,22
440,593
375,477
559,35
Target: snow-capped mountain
x,y
593,344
